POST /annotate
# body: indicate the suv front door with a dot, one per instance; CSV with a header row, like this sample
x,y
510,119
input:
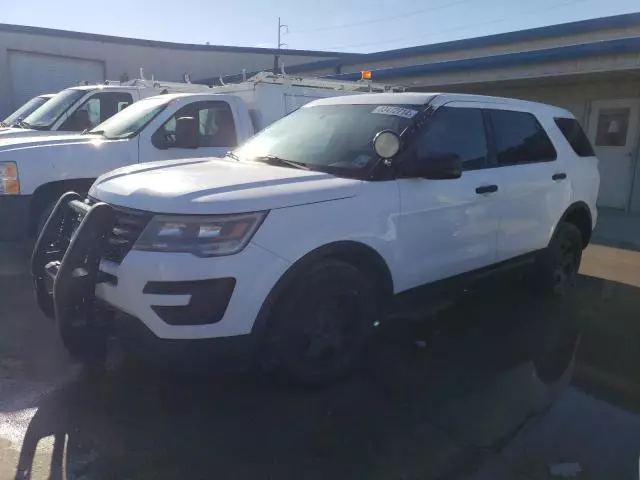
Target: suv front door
x,y
449,227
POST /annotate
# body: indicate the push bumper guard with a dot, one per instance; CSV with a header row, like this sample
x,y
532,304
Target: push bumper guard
x,y
66,259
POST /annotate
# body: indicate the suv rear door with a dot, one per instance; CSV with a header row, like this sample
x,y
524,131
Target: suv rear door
x,y
536,189
449,227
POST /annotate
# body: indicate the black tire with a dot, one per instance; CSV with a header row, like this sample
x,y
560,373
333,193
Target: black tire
x,y
557,266
43,216
85,344
321,325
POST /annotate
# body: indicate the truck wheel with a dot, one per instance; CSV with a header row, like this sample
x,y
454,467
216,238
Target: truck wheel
x,y
557,266
85,344
321,324
43,216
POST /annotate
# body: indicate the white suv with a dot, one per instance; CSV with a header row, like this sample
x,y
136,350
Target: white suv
x,y
290,249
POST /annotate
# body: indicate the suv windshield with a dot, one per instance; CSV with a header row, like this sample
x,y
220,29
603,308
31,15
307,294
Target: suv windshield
x,y
43,118
132,119
336,139
24,111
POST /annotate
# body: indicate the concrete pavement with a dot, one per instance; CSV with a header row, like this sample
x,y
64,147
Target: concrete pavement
x,y
484,394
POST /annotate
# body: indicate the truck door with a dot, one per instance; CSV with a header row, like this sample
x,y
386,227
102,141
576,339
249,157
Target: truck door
x,y
205,128
96,109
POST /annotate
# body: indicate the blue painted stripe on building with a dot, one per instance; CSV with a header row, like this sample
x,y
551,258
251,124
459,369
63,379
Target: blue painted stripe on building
x,y
51,32
563,29
625,45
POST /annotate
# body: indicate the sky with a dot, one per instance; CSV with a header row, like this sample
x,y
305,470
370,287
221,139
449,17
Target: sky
x,y
333,25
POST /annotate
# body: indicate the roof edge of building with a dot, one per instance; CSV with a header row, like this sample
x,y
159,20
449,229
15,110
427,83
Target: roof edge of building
x,y
566,52
549,31
30,30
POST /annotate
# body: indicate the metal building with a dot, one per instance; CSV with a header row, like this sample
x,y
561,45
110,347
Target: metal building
x,y
41,60
590,67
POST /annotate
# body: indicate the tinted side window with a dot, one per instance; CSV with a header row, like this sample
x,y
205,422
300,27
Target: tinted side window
x,y
216,125
576,137
96,109
457,131
520,138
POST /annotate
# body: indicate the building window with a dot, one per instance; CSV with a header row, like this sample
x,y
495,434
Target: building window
x,y
613,124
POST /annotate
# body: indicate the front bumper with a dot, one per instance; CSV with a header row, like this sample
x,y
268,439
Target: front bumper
x,y
73,281
14,216
255,271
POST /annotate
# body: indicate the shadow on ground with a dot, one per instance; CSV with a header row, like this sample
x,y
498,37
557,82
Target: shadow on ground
x,y
432,400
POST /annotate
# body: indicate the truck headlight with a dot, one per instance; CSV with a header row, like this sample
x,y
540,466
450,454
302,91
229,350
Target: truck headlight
x,y
203,236
9,183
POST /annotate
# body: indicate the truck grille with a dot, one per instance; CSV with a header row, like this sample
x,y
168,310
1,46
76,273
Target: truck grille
x,y
127,228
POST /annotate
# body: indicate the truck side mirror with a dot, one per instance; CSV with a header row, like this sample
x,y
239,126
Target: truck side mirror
x,y
186,133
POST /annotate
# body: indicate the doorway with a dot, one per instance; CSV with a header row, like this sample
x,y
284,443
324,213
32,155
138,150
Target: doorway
x,y
614,131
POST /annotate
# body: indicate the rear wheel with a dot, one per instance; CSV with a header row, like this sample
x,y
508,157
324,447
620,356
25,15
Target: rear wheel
x,y
321,324
557,267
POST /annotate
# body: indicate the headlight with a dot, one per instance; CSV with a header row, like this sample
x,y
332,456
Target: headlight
x,y
9,182
204,236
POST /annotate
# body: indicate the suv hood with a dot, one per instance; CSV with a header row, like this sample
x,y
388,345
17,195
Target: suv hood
x,y
217,186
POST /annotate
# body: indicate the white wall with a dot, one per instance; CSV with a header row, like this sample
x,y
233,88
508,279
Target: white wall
x,y
163,62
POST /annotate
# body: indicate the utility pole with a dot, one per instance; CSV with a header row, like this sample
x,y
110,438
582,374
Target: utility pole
x,y
276,60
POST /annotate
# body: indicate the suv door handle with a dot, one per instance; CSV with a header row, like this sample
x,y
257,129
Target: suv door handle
x,y
559,176
486,189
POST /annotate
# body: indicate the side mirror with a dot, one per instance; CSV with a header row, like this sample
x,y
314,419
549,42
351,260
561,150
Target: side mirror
x,y
436,167
186,133
386,143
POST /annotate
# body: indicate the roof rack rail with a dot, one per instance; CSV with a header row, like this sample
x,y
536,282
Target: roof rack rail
x,y
315,82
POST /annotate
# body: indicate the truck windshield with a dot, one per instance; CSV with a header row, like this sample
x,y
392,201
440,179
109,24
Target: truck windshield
x,y
24,111
337,139
43,118
131,120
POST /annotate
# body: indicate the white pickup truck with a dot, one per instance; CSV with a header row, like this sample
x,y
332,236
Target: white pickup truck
x,y
35,171
15,118
83,107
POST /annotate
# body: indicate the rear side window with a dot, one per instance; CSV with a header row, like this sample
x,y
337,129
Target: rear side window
x,y
519,138
576,137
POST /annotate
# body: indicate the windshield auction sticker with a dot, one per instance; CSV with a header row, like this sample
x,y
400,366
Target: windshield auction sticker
x,y
395,111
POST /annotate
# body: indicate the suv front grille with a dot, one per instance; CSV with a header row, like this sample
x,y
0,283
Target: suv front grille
x,y
127,228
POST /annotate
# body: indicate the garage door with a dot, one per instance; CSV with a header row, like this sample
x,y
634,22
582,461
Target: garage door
x,y
33,74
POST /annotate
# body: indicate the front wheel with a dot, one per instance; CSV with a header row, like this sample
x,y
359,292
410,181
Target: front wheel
x,y
321,324
43,216
557,267
86,344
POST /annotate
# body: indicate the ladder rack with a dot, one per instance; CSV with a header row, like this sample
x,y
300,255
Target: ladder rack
x,y
328,84
171,87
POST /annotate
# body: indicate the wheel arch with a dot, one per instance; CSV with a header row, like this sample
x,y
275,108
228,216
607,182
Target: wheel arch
x,y
579,214
360,255
46,192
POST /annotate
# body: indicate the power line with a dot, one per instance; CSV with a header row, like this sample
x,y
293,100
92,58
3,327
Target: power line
x,y
384,19
463,27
